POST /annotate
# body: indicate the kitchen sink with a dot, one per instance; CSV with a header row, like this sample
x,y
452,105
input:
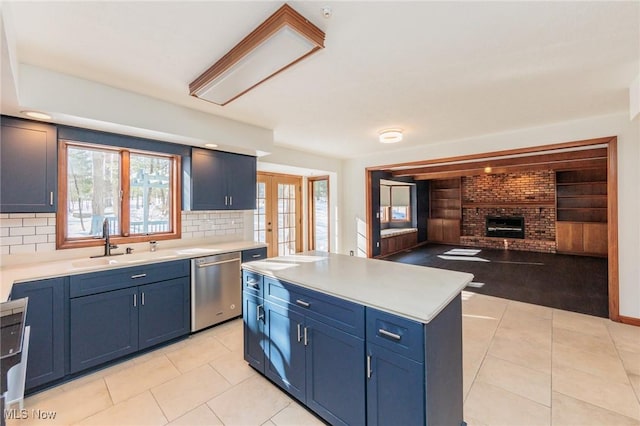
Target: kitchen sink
x,y
88,263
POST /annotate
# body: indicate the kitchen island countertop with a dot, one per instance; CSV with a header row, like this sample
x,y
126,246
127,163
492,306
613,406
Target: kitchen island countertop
x,y
414,292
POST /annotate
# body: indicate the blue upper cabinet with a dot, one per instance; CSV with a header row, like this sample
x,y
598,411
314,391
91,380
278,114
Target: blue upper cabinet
x,y
221,181
28,172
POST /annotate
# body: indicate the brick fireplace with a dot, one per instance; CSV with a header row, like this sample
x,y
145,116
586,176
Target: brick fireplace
x,y
529,195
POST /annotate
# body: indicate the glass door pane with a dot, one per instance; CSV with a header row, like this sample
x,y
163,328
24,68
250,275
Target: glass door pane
x,y
287,241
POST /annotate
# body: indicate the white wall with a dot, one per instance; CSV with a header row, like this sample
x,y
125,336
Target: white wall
x,y
628,133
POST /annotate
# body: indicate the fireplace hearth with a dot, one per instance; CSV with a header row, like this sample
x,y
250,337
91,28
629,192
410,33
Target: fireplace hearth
x,y
505,226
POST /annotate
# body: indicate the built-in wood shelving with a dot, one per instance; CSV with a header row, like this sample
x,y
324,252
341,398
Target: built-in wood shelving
x,y
445,213
581,195
446,198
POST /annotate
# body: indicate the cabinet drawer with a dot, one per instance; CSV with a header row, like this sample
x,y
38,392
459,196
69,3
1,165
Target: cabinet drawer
x,y
341,314
98,282
252,282
400,335
254,254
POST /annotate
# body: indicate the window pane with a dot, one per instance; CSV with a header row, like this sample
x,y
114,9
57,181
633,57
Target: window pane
x,y
259,214
93,191
321,214
383,214
399,213
150,194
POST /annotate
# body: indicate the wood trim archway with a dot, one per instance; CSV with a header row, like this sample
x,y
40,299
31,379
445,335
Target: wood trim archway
x,y
549,156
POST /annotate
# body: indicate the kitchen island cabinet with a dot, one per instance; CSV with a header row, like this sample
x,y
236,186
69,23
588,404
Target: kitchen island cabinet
x,y
361,341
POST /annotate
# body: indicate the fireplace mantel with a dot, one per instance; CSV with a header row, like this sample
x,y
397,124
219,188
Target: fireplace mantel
x,y
503,204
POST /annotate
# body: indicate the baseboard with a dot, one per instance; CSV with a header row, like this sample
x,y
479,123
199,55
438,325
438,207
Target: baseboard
x,y
629,320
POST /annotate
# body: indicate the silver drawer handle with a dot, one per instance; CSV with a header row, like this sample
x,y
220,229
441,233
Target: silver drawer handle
x,y
302,303
253,283
255,256
260,316
133,277
394,336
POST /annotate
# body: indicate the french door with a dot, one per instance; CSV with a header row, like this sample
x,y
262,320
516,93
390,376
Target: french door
x,y
278,215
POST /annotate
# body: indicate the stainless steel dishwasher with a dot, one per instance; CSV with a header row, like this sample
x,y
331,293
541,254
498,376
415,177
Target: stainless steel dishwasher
x,y
216,289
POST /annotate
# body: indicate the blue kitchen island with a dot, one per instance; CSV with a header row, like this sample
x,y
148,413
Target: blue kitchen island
x,y
358,341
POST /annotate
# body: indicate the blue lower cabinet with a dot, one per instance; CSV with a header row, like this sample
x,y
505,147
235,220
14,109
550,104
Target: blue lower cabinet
x,y
103,327
335,374
318,364
46,317
395,388
285,355
164,311
110,325
253,315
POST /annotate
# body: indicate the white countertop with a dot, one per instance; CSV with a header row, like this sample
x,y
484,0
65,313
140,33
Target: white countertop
x,y
60,268
414,292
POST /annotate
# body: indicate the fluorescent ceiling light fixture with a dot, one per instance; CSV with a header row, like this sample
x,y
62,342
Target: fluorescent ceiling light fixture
x,y
390,135
36,114
284,39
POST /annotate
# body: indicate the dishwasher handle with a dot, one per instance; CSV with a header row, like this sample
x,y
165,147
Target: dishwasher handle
x,y
204,265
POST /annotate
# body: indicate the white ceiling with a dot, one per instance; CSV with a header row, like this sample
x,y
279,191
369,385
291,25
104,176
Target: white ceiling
x,y
439,70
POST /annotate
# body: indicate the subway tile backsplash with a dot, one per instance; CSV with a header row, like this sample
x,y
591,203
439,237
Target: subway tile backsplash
x,y
23,233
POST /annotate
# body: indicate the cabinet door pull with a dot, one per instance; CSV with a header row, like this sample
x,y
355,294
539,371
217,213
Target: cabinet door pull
x,y
394,336
368,366
253,283
142,301
135,300
259,316
303,303
133,277
306,341
51,198
299,333
226,200
230,200
255,256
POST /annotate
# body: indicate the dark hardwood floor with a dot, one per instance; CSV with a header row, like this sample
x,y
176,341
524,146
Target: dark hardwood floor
x,y
573,283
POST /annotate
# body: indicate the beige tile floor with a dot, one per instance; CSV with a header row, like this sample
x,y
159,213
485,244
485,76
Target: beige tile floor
x,y
523,365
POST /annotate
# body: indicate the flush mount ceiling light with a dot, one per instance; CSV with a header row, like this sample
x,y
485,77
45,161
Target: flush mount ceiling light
x,y
285,38
390,135
211,145
36,114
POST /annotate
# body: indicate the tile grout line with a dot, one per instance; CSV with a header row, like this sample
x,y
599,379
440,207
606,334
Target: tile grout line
x,y
636,393
484,356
